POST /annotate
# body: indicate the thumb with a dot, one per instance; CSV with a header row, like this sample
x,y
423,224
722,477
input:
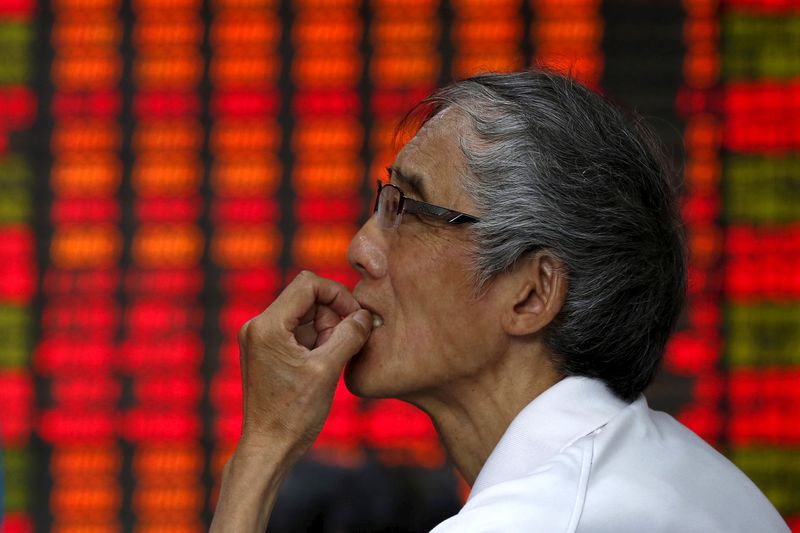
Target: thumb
x,y
347,337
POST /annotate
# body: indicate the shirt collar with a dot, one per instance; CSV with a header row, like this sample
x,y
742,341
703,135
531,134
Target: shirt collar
x,y
570,409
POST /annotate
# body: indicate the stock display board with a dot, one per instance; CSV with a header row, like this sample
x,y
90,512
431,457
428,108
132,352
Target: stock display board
x,y
166,166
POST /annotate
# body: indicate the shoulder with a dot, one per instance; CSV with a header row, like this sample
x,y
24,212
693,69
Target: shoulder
x,y
549,498
650,470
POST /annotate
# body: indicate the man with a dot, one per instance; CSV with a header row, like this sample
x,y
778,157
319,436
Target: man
x,y
520,277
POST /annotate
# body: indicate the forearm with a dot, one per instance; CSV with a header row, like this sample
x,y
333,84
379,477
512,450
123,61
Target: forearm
x,y
250,483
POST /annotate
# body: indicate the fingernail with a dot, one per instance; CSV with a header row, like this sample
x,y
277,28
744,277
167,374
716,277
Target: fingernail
x,y
363,317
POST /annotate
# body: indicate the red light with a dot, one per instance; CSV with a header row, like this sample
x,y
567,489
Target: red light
x,y
69,425
179,353
244,103
84,392
168,210
96,104
17,107
245,210
258,283
175,391
60,354
166,104
157,425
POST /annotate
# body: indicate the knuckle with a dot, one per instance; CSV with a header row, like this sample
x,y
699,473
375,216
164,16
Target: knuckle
x,y
305,276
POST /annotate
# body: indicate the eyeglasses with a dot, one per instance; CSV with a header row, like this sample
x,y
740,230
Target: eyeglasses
x,y
391,203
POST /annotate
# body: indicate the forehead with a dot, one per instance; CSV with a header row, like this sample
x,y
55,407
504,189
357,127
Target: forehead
x,y
434,155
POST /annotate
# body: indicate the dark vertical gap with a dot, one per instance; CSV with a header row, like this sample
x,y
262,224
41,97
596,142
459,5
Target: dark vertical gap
x,y
643,48
211,298
127,195
39,452
720,295
285,192
526,13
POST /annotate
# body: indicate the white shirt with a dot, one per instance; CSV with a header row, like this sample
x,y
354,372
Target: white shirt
x,y
577,458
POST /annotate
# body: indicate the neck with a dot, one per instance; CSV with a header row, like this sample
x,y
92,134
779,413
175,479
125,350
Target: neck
x,y
471,414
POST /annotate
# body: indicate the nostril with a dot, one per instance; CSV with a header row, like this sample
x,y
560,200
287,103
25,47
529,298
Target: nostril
x,y
367,254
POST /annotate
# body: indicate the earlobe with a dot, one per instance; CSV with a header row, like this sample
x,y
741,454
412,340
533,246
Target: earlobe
x,y
539,290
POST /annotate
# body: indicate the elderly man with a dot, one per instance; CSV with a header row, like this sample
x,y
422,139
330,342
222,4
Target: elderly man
x,y
520,277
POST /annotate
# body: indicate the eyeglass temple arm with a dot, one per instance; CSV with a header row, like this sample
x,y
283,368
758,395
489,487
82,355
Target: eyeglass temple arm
x,y
448,215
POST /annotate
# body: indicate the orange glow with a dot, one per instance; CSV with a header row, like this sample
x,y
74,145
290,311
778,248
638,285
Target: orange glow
x,y
229,68
174,68
88,135
244,4
586,68
86,29
324,28
96,246
82,497
565,8
382,136
419,30
705,245
159,28
571,33
160,5
168,135
171,495
59,6
303,5
90,175
339,67
157,174
246,28
700,30
489,32
182,460
405,9
405,68
89,460
703,132
88,68
701,68
167,245
80,526
465,65
256,174
234,246
322,246
340,133
482,7
334,176
703,171
244,135
700,8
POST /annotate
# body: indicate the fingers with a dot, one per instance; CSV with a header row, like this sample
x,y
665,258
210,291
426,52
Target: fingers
x,y
297,301
346,339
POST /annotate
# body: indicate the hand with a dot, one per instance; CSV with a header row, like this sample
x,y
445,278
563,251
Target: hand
x,y
292,355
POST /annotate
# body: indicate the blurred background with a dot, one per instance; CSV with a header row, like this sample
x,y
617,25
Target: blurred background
x,y
167,166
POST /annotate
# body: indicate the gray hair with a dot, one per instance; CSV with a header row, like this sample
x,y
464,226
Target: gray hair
x,y
556,167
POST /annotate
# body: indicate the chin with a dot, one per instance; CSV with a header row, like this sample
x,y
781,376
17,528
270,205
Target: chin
x,y
358,380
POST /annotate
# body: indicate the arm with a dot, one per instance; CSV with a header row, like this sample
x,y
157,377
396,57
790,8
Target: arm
x,y
292,355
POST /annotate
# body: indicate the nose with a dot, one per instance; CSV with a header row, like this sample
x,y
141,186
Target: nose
x,y
367,252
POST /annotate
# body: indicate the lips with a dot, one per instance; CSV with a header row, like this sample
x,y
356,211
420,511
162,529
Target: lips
x,y
377,319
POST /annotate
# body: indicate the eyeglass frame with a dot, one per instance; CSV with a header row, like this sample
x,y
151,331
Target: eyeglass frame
x,y
417,207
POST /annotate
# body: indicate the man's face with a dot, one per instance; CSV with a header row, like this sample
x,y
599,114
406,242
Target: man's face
x,y
418,279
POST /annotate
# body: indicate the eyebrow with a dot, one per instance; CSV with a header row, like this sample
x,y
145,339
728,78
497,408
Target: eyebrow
x,y
412,181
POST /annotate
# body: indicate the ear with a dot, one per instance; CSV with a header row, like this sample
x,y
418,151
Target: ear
x,y
537,289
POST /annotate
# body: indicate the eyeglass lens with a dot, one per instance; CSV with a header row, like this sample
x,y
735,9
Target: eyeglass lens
x,y
388,207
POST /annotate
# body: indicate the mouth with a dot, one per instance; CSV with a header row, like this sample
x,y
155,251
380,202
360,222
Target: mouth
x,y
377,319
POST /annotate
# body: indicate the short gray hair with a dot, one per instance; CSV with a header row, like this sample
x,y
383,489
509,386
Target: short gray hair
x,y
556,167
